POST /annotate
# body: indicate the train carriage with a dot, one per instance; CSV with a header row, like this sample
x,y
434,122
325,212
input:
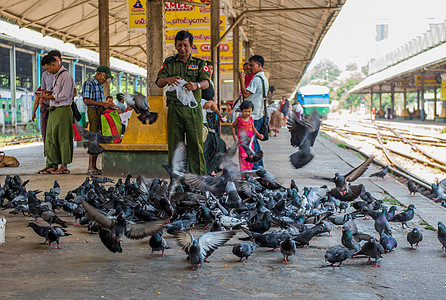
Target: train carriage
x,y
314,97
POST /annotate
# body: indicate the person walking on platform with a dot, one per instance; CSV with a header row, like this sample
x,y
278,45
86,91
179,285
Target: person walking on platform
x,y
93,95
185,121
59,131
254,93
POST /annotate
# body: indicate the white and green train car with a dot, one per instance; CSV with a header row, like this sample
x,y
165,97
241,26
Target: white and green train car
x,y
314,97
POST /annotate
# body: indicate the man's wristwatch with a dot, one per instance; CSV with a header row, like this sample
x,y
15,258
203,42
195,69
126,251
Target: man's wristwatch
x,y
199,85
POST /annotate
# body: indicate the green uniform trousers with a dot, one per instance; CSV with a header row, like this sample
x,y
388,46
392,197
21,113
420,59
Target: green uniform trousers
x,y
59,136
185,122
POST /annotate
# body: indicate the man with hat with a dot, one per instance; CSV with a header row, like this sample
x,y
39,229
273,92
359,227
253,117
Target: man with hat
x,y
93,94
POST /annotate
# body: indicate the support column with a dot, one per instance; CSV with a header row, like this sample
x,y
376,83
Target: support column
x,y
104,39
155,44
215,49
392,101
422,95
405,112
135,84
126,82
381,112
119,82
84,73
235,61
371,99
13,85
435,103
246,47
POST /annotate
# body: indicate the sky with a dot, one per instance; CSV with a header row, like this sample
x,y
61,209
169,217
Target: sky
x,y
351,38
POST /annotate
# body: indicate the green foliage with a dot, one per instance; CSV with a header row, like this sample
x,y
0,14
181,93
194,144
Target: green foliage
x,y
32,127
326,70
429,227
443,130
391,200
342,145
423,223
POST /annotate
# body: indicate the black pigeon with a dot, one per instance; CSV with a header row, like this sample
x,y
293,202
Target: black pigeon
x,y
261,226
140,104
109,241
381,173
303,135
353,192
372,249
216,226
54,235
50,217
338,255
414,237
269,240
94,140
341,180
120,226
40,230
244,250
247,145
267,179
441,235
413,188
287,248
158,243
200,249
405,216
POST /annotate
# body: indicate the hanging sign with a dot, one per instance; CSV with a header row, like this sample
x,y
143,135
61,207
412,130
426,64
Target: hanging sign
x,y
136,14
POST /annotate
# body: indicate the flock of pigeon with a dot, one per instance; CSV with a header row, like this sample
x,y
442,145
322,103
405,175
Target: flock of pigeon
x,y
252,201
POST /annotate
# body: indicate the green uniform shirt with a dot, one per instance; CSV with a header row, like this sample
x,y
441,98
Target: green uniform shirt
x,y
194,70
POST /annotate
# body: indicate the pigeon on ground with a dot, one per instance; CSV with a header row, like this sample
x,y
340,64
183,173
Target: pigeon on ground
x,y
269,240
50,217
261,226
40,230
391,213
381,173
267,179
388,242
287,248
414,237
381,223
413,188
140,104
54,235
372,249
200,249
158,243
244,250
102,179
405,216
441,234
338,255
94,140
339,219
303,135
247,145
351,240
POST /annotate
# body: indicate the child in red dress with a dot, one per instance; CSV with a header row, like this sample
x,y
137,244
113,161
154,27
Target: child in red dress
x,y
245,123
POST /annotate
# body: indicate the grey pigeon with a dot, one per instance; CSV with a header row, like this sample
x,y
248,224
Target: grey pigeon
x,y
270,240
381,223
158,243
339,219
54,235
303,135
247,145
413,188
244,250
94,140
351,240
372,249
200,249
441,234
338,255
381,173
405,216
439,190
287,248
388,242
414,237
140,104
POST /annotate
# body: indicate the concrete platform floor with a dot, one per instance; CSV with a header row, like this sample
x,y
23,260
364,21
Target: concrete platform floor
x,y
84,268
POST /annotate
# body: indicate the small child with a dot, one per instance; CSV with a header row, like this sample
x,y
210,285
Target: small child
x,y
245,123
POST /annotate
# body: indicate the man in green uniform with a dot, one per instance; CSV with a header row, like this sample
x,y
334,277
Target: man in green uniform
x,y
184,121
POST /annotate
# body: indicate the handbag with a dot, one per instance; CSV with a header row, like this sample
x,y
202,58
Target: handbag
x,y
111,125
264,128
76,114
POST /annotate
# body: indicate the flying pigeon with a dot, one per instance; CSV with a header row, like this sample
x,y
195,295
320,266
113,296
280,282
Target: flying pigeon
x,y
95,139
247,145
341,180
140,104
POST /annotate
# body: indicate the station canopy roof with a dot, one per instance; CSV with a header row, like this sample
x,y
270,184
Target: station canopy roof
x,y
286,37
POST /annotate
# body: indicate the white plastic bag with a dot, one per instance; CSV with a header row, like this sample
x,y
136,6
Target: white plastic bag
x,y
186,97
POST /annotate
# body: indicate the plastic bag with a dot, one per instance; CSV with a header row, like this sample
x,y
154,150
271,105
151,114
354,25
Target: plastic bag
x,y
186,97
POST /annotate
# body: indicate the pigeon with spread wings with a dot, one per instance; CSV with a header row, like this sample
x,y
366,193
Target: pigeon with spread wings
x,y
140,104
303,135
94,140
113,228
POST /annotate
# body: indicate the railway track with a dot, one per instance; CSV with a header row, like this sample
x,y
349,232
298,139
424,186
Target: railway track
x,y
379,136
